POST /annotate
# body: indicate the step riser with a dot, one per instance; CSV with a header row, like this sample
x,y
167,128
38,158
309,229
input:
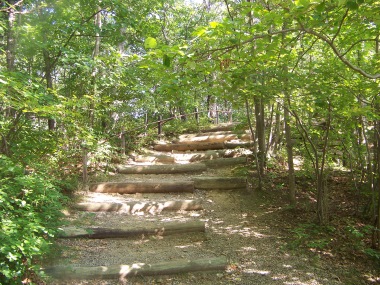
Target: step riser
x,y
162,169
103,233
132,208
121,272
142,187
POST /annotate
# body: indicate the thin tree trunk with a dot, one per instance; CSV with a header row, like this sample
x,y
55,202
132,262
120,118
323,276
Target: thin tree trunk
x,y
376,232
95,54
322,195
376,214
11,41
248,111
260,133
288,134
269,149
9,112
289,149
49,83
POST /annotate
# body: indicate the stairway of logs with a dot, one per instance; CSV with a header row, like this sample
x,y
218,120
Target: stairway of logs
x,y
152,197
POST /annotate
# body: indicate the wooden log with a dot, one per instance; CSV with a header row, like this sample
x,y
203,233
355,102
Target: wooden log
x,y
222,183
221,162
189,146
165,159
237,144
137,269
101,233
206,139
162,169
138,207
132,187
213,137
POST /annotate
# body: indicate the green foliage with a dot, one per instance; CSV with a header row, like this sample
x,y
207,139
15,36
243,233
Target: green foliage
x,y
30,215
311,236
373,253
177,126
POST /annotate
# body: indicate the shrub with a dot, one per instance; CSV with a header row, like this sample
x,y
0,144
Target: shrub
x,y
30,210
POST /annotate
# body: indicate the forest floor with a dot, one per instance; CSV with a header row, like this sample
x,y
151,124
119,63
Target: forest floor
x,y
265,241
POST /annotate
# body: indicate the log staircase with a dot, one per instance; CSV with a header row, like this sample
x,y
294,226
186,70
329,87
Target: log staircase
x,y
156,199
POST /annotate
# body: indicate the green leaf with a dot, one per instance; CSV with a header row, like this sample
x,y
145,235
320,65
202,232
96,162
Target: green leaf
x,y
166,60
302,3
214,24
150,43
352,5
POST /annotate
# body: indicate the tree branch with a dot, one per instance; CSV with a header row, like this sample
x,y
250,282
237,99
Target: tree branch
x,y
303,53
340,26
339,54
256,37
12,6
355,43
228,9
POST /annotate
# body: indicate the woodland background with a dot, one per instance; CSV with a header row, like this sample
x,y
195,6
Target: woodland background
x,y
303,75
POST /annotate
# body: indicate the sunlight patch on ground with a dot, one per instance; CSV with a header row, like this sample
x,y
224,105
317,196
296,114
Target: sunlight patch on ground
x,y
372,279
287,266
245,231
195,244
298,282
295,280
249,248
175,218
255,271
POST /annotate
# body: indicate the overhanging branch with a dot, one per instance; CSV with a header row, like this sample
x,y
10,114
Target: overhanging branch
x,y
340,55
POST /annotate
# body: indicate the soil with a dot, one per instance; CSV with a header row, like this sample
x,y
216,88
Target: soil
x,y
260,236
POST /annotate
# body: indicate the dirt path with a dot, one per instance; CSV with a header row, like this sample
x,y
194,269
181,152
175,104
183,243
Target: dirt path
x,y
246,227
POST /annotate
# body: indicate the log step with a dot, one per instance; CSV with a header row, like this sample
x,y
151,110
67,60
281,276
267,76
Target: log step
x,y
138,207
102,233
133,187
164,159
221,183
189,146
211,138
121,272
162,169
190,156
201,146
222,162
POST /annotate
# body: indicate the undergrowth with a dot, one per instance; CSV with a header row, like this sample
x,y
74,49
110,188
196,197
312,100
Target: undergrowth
x,y
30,212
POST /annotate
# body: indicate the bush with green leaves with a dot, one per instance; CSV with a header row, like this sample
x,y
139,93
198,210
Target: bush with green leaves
x,y
30,211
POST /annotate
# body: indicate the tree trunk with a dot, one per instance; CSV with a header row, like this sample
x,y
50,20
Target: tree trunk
x,y
322,190
49,83
10,49
121,272
376,215
255,154
11,40
277,137
94,75
289,149
260,134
